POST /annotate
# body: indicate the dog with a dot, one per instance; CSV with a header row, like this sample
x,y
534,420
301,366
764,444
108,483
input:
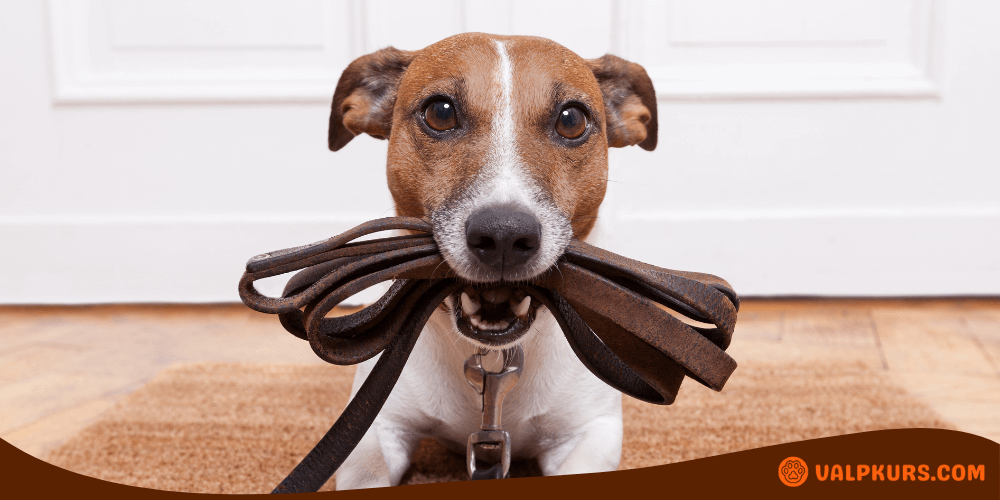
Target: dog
x,y
502,143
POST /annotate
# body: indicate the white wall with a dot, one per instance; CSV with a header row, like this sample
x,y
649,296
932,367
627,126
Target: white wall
x,y
148,148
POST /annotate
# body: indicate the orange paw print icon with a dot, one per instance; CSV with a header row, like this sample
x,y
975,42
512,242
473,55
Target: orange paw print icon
x,y
793,471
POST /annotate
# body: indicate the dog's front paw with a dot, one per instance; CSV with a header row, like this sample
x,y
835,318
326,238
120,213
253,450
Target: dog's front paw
x,y
596,448
377,463
354,478
365,467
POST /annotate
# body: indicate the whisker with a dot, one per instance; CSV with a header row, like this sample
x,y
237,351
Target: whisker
x,y
437,267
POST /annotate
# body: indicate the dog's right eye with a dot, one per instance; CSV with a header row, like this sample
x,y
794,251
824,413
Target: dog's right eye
x,y
440,116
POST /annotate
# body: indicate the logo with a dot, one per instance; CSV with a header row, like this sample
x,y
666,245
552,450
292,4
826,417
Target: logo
x,y
793,471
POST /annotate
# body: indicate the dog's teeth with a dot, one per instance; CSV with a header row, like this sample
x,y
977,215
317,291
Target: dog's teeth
x,y
522,308
499,325
469,306
475,320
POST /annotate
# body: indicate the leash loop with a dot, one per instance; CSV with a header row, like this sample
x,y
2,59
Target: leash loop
x,y
610,308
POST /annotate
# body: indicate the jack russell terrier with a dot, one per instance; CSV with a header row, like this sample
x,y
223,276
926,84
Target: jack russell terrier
x,y
502,143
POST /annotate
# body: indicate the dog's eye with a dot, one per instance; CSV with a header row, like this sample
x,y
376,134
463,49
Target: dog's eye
x,y
572,122
440,115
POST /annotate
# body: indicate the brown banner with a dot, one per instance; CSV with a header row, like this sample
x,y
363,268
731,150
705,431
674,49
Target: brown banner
x,y
917,463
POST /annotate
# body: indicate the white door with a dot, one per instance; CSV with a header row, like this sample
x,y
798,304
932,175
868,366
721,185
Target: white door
x,y
830,147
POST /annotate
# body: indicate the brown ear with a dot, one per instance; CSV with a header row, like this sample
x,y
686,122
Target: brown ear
x,y
365,96
629,102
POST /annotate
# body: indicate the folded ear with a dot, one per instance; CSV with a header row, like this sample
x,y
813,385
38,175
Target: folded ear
x,y
629,102
365,96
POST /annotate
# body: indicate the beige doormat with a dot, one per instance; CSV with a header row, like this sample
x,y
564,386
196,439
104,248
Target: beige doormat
x,y
239,428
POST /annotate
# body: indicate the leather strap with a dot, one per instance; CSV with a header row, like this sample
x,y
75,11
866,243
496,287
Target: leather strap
x,y
612,310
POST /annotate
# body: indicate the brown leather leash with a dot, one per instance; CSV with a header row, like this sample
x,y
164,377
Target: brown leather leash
x,y
610,308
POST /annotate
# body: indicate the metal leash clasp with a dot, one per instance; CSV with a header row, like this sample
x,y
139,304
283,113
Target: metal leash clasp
x,y
491,442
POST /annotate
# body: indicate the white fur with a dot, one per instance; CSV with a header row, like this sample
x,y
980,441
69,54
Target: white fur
x,y
558,412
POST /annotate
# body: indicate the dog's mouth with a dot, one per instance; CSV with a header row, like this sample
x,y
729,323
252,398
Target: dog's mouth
x,y
493,315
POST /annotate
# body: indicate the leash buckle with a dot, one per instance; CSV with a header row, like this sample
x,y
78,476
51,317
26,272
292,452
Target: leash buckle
x,y
491,443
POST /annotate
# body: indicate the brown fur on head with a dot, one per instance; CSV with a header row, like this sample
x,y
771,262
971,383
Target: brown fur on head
x,y
507,94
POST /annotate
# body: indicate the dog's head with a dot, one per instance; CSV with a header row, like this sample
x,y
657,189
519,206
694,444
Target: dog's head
x,y
502,142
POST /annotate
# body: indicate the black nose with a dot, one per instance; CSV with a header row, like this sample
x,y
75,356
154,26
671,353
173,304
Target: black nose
x,y
503,236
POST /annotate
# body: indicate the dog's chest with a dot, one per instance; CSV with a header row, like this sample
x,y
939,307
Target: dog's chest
x,y
554,396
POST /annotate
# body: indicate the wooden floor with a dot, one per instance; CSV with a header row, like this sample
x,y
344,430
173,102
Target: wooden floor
x,y
61,367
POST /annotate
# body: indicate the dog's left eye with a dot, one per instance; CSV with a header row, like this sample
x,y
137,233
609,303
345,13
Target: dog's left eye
x,y
440,115
572,122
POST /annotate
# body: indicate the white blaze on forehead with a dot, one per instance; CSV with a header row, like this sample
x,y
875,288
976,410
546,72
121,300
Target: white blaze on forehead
x,y
504,179
505,75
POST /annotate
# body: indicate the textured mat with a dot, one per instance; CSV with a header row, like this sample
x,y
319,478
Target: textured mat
x,y
239,428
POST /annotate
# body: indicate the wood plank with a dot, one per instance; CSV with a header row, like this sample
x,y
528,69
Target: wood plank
x,y
27,401
830,326
759,325
938,341
46,433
